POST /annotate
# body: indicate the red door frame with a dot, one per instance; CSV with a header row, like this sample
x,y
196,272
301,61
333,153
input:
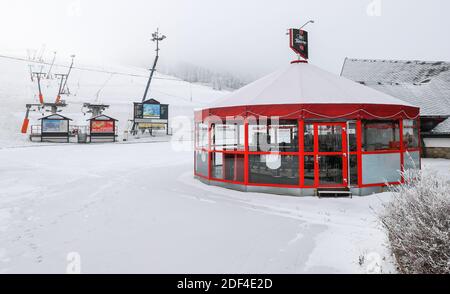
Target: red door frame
x,y
344,154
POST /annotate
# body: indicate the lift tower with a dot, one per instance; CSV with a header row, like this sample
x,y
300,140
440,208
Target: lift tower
x,y
156,37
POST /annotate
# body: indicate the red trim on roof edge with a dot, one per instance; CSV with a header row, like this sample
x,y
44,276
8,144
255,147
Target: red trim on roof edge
x,y
299,61
315,111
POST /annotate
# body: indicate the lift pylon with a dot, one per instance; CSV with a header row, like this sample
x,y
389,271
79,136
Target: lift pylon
x,y
38,76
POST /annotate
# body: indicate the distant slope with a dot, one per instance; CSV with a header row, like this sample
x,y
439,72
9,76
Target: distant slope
x,y
121,86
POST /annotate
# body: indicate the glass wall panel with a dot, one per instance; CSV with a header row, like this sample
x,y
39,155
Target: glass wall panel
x,y
217,167
308,172
381,135
381,168
269,136
201,135
331,170
229,137
201,163
353,170
352,137
412,160
330,138
411,134
234,167
263,170
309,138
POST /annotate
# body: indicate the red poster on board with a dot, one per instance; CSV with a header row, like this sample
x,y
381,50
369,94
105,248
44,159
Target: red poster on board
x,y
102,127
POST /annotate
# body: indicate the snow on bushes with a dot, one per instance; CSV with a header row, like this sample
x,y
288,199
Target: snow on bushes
x,y
417,221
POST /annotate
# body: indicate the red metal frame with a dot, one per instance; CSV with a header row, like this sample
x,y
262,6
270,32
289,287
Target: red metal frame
x,y
343,154
301,154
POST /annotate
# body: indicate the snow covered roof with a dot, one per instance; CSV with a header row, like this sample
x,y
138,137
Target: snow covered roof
x,y
55,117
443,128
303,83
425,84
102,117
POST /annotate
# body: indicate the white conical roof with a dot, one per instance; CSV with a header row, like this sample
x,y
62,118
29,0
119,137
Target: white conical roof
x,y
303,83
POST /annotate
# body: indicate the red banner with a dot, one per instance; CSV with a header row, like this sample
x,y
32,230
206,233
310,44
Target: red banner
x,y
102,127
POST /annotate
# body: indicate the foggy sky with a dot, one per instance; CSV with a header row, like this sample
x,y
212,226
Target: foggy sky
x,y
240,36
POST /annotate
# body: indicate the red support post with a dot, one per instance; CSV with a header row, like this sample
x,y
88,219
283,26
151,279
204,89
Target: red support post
x,y
301,152
246,156
402,150
359,134
209,151
316,157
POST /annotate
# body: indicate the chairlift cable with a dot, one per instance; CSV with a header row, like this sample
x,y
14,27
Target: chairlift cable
x,y
97,95
92,69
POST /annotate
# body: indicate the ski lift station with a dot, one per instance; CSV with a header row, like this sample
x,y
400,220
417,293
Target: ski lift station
x,y
305,132
151,115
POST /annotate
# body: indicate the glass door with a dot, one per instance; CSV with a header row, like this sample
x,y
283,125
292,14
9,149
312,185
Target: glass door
x,y
331,155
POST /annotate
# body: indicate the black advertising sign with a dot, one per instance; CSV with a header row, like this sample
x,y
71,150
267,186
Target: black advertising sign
x,y
299,42
151,111
138,110
164,111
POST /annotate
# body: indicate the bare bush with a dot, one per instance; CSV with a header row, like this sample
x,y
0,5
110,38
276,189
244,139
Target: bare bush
x,y
418,223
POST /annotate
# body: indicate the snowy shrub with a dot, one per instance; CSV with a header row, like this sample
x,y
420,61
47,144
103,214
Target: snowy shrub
x,y
417,221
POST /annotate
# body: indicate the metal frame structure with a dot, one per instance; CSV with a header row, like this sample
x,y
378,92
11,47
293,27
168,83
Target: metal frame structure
x,y
55,137
301,188
102,137
139,119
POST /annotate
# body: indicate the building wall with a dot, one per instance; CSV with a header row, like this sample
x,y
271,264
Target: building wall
x,y
437,147
438,152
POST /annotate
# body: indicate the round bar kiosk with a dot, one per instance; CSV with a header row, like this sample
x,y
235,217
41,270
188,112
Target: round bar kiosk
x,y
303,131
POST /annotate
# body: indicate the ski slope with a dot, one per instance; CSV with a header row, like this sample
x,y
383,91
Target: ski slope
x,y
96,85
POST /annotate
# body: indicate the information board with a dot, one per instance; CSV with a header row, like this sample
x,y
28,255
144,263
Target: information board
x,y
55,126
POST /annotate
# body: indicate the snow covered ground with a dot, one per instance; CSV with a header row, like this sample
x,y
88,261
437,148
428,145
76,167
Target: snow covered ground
x,y
135,207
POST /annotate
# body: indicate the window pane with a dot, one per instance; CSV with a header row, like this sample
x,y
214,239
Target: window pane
x,y
227,137
282,136
309,138
381,168
234,167
381,135
281,170
353,170
202,135
412,160
410,134
257,137
330,138
331,170
352,139
309,171
217,167
201,163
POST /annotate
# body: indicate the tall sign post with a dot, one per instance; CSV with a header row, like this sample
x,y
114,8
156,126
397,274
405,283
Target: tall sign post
x,y
149,122
156,37
298,41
